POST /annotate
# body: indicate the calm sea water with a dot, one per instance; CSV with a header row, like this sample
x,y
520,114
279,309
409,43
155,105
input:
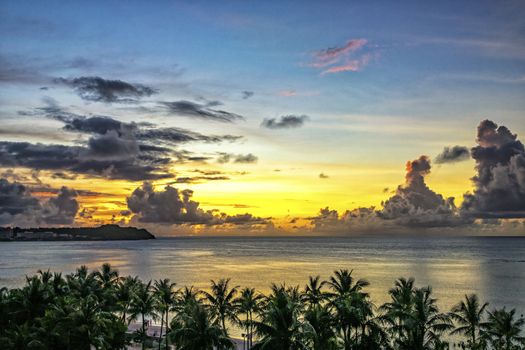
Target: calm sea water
x,y
492,267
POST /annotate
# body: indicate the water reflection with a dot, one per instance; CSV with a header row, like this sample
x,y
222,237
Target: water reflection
x,y
492,267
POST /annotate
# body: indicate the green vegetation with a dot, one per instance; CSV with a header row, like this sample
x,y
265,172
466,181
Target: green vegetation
x,y
86,310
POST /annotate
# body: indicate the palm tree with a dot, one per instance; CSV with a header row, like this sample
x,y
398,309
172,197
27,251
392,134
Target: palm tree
x,y
165,294
280,327
143,304
107,276
424,324
401,305
221,301
124,293
313,294
194,328
354,318
30,302
351,305
21,337
187,295
503,330
82,323
321,323
343,283
248,303
82,284
469,316
58,285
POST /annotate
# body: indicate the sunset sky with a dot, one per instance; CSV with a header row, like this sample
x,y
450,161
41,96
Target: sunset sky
x,y
268,111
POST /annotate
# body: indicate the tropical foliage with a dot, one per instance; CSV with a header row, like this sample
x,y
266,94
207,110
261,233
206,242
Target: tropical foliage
x,y
99,310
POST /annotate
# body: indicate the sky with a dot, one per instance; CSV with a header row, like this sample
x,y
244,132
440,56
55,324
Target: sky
x,y
264,117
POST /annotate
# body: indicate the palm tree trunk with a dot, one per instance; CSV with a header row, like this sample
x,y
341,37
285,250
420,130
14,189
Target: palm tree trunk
x,y
251,330
143,333
161,326
167,329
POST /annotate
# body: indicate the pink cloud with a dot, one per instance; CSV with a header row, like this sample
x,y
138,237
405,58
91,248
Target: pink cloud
x,y
336,52
338,59
349,66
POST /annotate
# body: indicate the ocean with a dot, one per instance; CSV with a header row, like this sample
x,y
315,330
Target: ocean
x,y
492,267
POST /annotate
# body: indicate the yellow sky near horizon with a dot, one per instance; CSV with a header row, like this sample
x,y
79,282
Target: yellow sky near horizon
x,y
276,191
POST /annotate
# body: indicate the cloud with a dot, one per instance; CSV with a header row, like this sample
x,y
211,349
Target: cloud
x,y
340,59
172,206
62,209
285,122
323,176
63,176
98,89
360,220
15,200
203,111
452,155
327,56
349,66
416,205
172,135
500,180
179,135
122,161
199,179
237,158
245,158
19,207
499,194
145,132
247,94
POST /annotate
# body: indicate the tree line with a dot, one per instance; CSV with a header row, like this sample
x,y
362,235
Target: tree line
x,y
85,310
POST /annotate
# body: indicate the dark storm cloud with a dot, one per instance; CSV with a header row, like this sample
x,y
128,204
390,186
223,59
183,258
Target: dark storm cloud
x,y
197,110
247,94
178,135
98,89
285,122
145,132
452,155
94,160
62,209
500,179
19,207
95,125
63,176
172,206
416,205
15,200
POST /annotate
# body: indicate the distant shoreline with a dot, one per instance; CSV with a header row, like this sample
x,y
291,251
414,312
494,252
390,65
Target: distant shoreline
x,y
100,233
